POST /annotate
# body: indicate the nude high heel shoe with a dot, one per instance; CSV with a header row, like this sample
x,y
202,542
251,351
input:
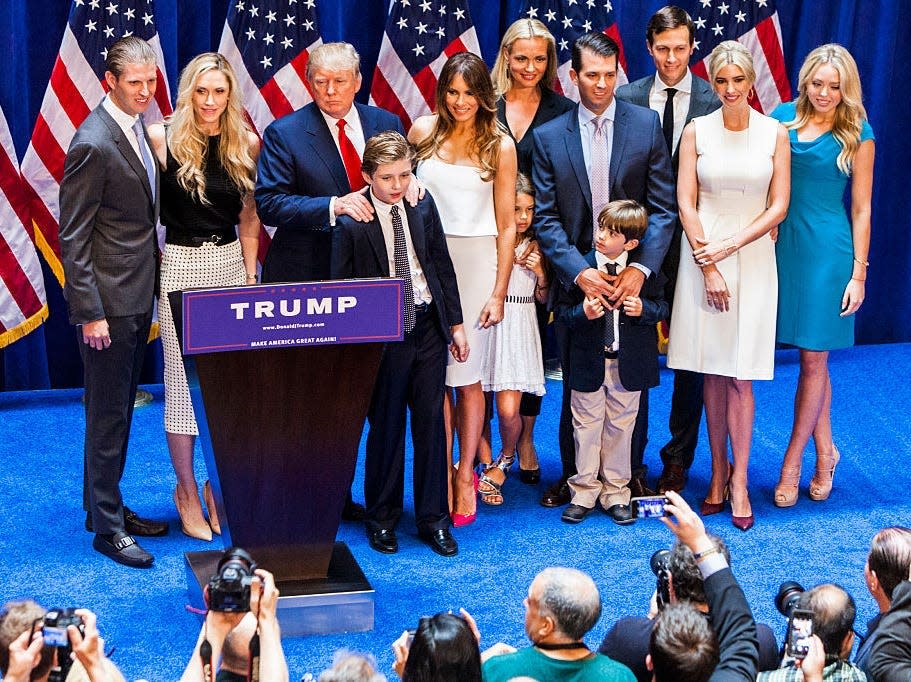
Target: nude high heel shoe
x,y
821,484
192,522
788,484
210,508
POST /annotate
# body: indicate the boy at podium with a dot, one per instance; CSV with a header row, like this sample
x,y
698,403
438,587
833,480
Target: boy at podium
x,y
406,242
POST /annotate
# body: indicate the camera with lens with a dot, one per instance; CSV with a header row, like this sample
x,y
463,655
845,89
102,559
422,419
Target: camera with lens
x,y
229,588
788,595
660,563
53,629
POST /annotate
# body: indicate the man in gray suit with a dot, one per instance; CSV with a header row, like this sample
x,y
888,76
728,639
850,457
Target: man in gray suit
x,y
108,213
678,96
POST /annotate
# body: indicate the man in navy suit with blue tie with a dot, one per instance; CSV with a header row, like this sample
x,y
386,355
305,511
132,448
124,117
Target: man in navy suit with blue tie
x,y
601,150
310,173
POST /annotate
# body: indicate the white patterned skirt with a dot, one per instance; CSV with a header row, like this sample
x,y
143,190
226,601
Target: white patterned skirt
x,y
185,267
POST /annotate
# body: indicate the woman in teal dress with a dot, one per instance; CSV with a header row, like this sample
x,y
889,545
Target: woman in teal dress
x,y
821,251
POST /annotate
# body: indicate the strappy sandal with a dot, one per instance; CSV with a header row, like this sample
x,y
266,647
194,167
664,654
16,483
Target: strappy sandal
x,y
490,491
821,484
788,484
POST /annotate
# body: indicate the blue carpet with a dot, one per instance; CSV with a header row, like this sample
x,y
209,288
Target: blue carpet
x,y
47,555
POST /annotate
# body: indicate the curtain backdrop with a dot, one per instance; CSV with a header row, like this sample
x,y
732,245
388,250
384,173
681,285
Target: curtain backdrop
x,y
876,33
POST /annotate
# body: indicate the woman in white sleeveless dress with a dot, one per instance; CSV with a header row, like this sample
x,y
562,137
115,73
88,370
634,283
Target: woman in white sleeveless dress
x,y
468,163
732,190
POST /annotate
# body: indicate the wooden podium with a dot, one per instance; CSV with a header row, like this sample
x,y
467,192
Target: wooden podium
x,y
281,378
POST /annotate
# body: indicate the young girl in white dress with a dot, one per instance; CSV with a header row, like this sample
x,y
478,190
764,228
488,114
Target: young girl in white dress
x,y
513,364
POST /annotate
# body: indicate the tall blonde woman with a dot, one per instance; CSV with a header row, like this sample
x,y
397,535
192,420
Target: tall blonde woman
x,y
208,156
523,77
468,163
732,189
822,253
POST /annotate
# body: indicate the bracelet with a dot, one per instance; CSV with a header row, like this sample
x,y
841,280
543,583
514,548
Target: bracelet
x,y
865,263
251,276
699,556
858,279
730,246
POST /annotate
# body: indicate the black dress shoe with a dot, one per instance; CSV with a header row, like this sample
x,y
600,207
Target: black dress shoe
x,y
557,495
384,540
639,488
352,511
123,549
134,524
530,476
621,514
575,513
672,478
440,541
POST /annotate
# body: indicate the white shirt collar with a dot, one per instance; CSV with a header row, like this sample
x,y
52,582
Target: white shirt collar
x,y
122,118
382,205
685,84
586,116
351,119
620,260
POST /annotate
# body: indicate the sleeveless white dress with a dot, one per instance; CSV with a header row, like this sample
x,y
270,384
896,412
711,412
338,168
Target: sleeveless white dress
x,y
514,360
465,204
734,169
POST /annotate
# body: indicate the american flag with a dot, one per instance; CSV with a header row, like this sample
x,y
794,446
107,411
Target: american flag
x,y
569,19
753,23
23,305
420,36
268,43
75,88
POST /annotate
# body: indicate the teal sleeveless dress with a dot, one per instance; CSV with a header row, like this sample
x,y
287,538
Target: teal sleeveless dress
x,y
815,250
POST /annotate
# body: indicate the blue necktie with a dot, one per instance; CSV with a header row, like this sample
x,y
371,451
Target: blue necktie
x,y
145,153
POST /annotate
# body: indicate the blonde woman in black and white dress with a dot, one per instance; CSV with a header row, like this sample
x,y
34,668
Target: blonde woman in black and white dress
x,y
208,156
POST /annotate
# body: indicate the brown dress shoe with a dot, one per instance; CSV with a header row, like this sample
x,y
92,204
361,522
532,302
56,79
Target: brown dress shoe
x,y
556,495
638,488
672,478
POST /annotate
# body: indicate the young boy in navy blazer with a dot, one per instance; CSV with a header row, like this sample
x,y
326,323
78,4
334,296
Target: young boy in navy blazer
x,y
405,242
614,356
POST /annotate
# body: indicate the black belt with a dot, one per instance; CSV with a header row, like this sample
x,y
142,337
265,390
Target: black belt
x,y
196,242
422,308
611,354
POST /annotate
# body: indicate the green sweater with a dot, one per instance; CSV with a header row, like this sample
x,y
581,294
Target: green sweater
x,y
532,663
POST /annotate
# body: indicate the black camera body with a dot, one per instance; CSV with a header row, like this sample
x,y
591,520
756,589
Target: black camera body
x,y
229,588
53,630
788,595
660,563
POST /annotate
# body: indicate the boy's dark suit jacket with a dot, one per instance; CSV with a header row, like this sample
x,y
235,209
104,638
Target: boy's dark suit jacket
x,y
638,338
359,250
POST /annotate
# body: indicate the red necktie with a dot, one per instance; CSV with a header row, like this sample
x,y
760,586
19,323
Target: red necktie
x,y
350,158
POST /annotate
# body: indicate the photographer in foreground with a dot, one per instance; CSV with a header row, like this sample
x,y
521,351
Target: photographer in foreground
x,y
218,624
26,655
683,646
833,613
890,659
679,581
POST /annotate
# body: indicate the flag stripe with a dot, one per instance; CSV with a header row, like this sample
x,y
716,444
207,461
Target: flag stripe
x,y
70,99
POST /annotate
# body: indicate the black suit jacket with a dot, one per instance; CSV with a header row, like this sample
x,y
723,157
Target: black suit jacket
x,y
638,356
359,250
300,170
734,625
108,214
890,657
703,100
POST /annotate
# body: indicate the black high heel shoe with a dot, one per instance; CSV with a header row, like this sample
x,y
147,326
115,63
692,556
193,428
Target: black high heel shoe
x,y
530,476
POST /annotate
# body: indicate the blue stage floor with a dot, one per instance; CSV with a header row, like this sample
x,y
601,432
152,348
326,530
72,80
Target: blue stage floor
x,y
47,555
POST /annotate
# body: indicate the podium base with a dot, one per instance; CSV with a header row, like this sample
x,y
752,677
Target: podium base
x,y
342,602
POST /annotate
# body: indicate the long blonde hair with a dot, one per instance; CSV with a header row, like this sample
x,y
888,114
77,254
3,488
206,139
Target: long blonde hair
x,y
523,29
188,142
849,114
485,146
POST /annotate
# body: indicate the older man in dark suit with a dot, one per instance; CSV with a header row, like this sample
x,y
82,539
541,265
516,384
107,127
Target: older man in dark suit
x,y
108,213
678,96
310,173
601,150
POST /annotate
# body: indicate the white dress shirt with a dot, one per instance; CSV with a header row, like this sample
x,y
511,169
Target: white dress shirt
x,y
620,261
126,123
657,98
418,280
354,132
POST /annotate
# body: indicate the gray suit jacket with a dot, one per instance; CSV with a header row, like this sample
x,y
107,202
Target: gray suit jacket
x,y
703,100
108,214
